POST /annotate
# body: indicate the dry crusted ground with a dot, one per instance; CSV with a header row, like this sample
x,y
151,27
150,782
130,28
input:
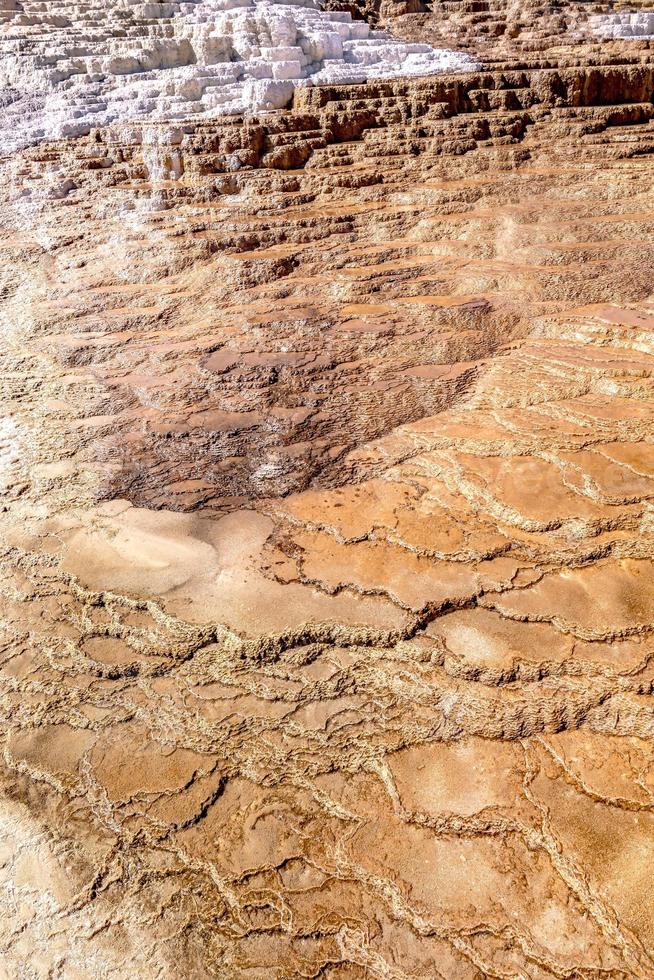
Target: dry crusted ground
x,y
327,582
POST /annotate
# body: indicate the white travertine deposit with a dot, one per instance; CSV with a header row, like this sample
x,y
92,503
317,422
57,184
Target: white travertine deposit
x,y
624,24
167,61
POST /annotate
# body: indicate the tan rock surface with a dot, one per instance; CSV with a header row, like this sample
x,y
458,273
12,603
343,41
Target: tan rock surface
x,y
327,585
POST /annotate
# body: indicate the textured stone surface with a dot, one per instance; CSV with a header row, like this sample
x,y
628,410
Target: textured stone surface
x,y
96,63
327,593
625,24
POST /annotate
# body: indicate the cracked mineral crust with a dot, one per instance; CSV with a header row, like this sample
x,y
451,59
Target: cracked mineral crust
x,y
327,467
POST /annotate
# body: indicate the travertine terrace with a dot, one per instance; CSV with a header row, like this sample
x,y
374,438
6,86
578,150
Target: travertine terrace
x,y
93,64
327,531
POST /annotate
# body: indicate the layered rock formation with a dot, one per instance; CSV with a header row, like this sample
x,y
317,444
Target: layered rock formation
x,y
327,576
62,74
625,24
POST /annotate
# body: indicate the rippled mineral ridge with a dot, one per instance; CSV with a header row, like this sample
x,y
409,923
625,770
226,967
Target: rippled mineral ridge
x,y
327,467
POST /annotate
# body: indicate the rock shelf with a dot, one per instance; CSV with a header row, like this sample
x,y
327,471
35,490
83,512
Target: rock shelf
x,y
327,468
91,65
625,24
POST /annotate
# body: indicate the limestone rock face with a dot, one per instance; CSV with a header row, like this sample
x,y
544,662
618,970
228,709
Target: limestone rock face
x,y
103,63
625,24
327,469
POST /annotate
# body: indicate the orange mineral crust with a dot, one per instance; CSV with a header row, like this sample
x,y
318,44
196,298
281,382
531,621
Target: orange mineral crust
x,y
327,581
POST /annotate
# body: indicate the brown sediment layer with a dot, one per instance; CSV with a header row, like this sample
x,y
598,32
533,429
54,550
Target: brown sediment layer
x,y
327,591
